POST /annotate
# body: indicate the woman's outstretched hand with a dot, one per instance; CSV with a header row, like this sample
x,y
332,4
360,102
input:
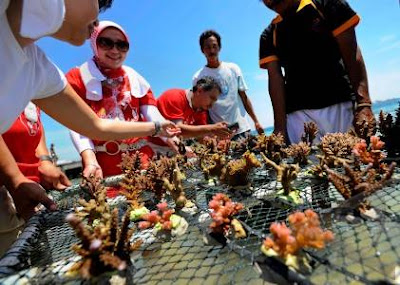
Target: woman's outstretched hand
x,y
169,129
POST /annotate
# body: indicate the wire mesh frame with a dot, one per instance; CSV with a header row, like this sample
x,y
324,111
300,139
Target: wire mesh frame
x,y
380,201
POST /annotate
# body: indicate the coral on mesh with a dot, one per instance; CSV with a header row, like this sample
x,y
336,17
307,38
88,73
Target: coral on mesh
x,y
95,208
223,210
304,232
161,217
310,133
285,174
271,146
104,245
299,152
212,165
372,154
356,181
175,187
244,144
337,147
389,128
131,164
237,171
153,179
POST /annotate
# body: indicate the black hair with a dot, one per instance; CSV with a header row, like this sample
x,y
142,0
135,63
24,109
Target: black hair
x,y
209,33
207,83
104,5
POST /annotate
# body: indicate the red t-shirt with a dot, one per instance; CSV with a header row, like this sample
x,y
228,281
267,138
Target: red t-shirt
x,y
174,105
22,140
106,108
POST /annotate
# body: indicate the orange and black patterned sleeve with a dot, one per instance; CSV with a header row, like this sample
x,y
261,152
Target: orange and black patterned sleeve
x,y
267,52
339,16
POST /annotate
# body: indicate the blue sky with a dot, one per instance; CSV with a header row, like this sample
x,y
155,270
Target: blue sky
x,y
165,49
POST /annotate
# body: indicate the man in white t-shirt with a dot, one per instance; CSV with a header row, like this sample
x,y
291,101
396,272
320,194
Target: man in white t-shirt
x,y
27,74
233,103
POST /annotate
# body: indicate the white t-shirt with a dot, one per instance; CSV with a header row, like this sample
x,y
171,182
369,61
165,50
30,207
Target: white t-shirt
x,y
229,106
25,74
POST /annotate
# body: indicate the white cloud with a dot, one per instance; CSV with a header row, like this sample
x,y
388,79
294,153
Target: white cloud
x,y
387,38
389,46
261,76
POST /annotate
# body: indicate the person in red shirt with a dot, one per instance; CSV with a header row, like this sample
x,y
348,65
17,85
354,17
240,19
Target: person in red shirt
x,y
188,109
27,144
116,92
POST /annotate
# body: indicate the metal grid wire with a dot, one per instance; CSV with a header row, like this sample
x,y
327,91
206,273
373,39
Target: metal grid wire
x,y
363,251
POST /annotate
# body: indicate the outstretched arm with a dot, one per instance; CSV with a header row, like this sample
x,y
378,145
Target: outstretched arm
x,y
276,88
249,109
355,66
219,129
69,109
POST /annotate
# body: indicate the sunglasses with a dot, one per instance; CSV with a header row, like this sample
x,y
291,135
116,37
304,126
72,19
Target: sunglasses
x,y
108,44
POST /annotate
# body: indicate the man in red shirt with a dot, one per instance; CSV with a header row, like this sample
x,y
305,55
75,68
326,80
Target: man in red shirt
x,y
188,109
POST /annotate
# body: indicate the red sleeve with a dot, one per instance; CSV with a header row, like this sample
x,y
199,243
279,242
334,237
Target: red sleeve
x,y
172,104
75,80
200,118
148,99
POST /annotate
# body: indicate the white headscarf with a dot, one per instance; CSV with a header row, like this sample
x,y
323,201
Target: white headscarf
x,y
41,17
101,27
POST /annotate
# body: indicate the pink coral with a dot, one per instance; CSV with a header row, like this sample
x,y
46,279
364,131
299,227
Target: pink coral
x,y
223,211
304,232
162,216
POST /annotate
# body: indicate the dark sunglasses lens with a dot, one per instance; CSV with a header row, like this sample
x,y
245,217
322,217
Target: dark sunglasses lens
x,y
105,43
122,46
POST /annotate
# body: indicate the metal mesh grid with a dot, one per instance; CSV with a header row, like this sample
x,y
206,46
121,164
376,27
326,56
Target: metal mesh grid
x,y
365,252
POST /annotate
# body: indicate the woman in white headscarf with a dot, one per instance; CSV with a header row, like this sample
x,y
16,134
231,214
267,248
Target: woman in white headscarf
x,y
113,91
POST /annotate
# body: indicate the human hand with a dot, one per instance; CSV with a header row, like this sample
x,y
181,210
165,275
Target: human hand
x,y
364,122
189,152
221,130
282,131
27,195
259,128
93,170
169,129
52,177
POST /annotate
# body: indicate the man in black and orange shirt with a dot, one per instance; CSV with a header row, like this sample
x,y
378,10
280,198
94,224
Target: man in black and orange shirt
x,y
314,42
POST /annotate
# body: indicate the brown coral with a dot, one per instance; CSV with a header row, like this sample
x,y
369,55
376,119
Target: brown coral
x,y
271,146
96,207
356,181
212,165
286,173
310,133
175,188
337,147
237,171
299,152
104,246
389,127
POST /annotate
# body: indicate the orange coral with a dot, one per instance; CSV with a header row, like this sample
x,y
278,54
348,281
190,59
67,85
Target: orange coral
x,y
223,211
304,232
373,154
